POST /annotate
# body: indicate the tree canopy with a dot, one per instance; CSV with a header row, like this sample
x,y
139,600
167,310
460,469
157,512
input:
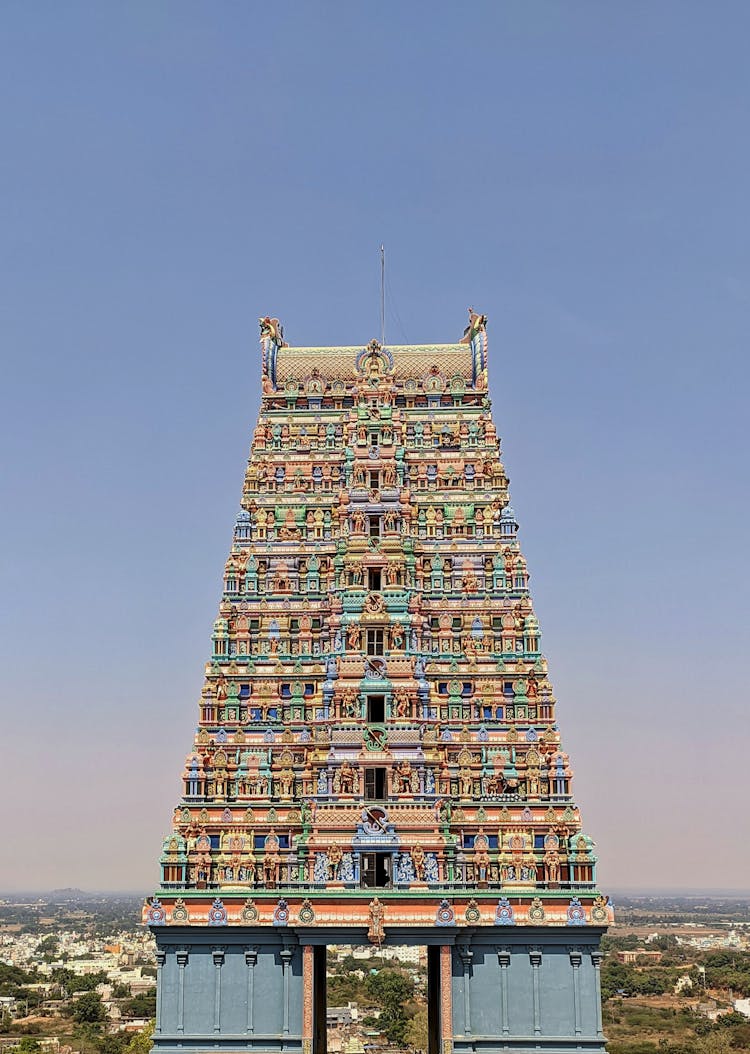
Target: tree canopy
x,y
88,1008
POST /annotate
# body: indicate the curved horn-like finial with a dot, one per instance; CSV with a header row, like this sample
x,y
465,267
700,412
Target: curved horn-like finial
x,y
271,329
477,323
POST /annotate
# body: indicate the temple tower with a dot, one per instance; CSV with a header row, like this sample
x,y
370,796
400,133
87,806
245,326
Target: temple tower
x,y
377,755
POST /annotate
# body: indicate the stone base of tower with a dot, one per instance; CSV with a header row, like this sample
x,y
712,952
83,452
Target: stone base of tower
x,y
261,989
239,990
526,988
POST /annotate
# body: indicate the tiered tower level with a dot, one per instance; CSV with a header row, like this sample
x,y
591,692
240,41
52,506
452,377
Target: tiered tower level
x,y
377,753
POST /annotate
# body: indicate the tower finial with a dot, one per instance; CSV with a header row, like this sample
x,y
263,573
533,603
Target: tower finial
x,y
271,339
476,324
272,329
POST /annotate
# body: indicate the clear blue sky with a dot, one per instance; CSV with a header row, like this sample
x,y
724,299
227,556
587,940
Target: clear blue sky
x,y
170,171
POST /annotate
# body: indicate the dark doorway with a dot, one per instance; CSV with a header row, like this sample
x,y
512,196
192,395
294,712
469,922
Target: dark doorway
x,y
376,709
320,1000
433,999
375,870
374,784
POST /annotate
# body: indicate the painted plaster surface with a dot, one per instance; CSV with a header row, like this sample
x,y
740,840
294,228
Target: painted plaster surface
x,y
377,745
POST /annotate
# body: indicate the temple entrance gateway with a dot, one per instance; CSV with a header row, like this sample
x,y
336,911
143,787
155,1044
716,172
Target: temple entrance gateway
x,y
265,989
379,997
378,759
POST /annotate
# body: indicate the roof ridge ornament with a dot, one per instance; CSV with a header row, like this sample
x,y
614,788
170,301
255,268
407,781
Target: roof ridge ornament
x,y
477,323
272,329
271,339
475,335
374,362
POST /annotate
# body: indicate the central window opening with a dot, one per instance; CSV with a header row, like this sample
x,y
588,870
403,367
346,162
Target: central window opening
x,y
374,784
374,481
376,709
374,526
377,999
374,578
375,870
374,642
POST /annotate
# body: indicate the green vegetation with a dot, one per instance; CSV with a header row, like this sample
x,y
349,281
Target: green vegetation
x,y
416,1030
13,980
642,1015
618,979
88,1008
140,1043
664,1030
27,1045
727,969
141,1005
390,990
71,982
393,991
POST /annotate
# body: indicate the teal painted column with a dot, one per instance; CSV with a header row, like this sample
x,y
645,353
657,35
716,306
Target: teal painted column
x,y
251,961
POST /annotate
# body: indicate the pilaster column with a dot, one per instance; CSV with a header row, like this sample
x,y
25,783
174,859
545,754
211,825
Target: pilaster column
x,y
251,959
161,956
503,958
466,955
575,961
308,975
218,958
596,959
287,953
182,959
535,958
446,999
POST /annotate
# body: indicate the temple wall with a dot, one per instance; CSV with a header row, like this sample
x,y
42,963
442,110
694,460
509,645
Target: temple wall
x,y
512,989
527,990
229,991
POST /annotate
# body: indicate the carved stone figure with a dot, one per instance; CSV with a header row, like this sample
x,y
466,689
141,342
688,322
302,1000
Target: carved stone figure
x,y
418,859
401,699
346,778
376,931
271,864
402,775
335,856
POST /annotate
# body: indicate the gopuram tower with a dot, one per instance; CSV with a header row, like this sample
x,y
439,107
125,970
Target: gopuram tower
x,y
377,756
